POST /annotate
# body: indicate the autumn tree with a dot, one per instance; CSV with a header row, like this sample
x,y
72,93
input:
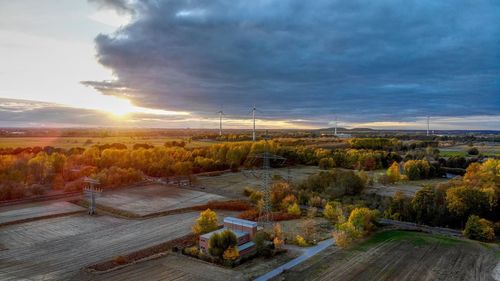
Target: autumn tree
x,y
206,222
393,173
479,229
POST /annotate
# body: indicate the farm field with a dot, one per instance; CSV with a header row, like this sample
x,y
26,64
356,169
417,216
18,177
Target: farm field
x,y
147,199
179,267
57,248
14,213
69,142
400,255
408,188
233,184
489,149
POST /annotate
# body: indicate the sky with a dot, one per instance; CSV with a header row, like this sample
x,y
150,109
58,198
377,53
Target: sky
x,y
380,64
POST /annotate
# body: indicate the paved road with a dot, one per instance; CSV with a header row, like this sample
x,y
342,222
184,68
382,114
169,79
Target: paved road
x,y
308,253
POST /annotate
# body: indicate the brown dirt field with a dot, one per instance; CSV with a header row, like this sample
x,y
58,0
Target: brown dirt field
x,y
179,267
57,248
417,257
144,200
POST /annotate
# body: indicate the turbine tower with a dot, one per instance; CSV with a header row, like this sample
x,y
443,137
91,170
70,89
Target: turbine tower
x,y
335,126
253,116
428,124
220,121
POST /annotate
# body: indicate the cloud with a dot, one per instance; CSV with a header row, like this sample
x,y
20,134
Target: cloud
x,y
363,60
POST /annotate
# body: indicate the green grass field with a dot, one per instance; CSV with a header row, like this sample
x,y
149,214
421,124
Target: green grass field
x,y
489,149
414,238
68,142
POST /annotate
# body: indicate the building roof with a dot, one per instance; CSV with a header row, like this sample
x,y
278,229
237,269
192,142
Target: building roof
x,y
238,233
241,222
245,246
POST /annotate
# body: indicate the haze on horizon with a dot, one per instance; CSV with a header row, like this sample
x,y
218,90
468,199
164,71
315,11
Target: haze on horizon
x,y
377,64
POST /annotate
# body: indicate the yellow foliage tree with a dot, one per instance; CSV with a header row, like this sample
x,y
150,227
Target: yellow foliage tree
x,y
206,222
394,173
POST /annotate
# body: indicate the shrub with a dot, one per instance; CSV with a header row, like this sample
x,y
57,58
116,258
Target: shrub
x,y
231,254
260,240
312,212
231,205
288,201
496,227
220,242
251,214
473,151
206,222
248,191
300,241
256,196
308,230
120,260
326,163
192,251
280,216
294,209
332,212
37,189
278,243
479,229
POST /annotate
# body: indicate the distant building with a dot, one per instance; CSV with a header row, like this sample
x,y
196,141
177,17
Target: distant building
x,y
244,230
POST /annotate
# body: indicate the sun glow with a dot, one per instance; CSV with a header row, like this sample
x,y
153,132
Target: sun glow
x,y
119,107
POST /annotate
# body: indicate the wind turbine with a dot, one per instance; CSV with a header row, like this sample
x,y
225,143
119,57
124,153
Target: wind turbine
x,y
220,121
336,122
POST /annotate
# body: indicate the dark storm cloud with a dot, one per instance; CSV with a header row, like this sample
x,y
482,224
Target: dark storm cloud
x,y
121,6
364,60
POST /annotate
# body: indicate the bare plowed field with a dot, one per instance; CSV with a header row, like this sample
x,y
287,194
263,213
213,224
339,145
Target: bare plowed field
x,y
57,248
397,255
144,200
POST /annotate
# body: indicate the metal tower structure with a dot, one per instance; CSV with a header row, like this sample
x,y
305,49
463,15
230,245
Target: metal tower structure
x,y
220,121
265,214
92,192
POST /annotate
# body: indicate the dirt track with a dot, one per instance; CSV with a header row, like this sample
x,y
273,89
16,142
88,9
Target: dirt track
x,y
401,260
